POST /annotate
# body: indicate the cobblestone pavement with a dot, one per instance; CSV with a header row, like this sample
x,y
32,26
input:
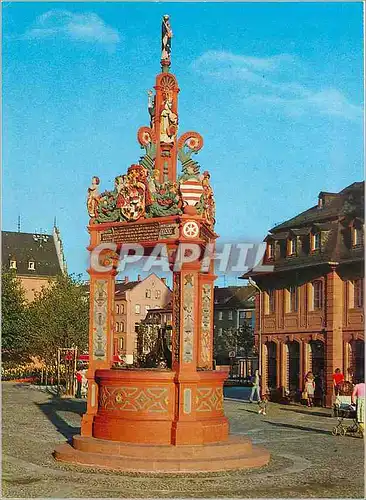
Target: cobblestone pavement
x,y
307,461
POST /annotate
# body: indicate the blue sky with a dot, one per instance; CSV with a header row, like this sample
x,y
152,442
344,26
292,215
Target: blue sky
x,y
276,90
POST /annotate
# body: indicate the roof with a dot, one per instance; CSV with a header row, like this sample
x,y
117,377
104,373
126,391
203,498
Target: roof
x,y
345,202
124,286
234,297
25,247
332,220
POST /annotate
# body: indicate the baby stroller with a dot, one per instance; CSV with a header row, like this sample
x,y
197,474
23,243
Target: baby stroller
x,y
343,409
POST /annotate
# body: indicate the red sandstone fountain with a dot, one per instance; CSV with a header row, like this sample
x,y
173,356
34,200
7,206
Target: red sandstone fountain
x,y
160,420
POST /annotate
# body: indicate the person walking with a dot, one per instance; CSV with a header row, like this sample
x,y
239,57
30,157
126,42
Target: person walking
x,y
310,388
79,381
256,387
358,397
338,378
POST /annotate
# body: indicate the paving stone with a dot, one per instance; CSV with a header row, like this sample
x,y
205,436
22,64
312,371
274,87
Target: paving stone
x,y
307,461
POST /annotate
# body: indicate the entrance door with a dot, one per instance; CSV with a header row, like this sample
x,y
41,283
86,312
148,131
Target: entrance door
x,y
293,365
272,365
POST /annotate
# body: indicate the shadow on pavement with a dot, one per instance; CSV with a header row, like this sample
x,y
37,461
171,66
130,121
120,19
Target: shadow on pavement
x,y
300,427
55,405
308,412
249,411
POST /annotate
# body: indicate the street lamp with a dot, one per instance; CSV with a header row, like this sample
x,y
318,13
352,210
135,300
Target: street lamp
x,y
254,284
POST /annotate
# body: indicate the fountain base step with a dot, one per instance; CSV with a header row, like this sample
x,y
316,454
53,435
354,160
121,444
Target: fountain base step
x,y
235,453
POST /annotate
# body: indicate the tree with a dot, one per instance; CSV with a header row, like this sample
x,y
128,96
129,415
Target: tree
x,y
240,340
15,345
59,317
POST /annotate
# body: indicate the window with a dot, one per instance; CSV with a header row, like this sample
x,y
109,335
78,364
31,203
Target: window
x,y
292,299
270,251
137,309
356,236
13,264
220,315
230,314
121,308
241,314
317,294
315,241
358,293
117,327
148,294
122,327
292,247
157,294
31,265
117,308
271,301
220,331
121,343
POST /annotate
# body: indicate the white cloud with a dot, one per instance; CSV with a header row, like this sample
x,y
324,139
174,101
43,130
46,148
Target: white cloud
x,y
87,27
268,81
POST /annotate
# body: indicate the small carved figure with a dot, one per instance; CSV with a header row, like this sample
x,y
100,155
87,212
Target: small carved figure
x,y
151,106
168,122
166,39
93,197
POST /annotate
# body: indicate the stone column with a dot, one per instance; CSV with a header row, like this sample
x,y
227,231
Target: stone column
x,y
301,363
278,364
101,328
283,366
264,367
334,320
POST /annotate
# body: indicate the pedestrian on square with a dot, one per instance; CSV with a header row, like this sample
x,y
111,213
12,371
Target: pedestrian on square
x,y
84,384
263,404
79,381
256,387
338,378
310,388
358,397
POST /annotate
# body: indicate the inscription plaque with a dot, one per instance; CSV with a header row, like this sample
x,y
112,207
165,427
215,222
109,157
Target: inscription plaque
x,y
139,232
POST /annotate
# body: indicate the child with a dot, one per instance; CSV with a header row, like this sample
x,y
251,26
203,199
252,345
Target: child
x,y
263,403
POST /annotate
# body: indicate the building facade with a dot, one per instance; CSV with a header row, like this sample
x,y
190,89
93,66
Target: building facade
x,y
133,301
234,311
35,258
234,306
310,311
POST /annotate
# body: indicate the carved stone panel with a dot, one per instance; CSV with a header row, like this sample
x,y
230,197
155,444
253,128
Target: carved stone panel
x,y
205,338
209,399
176,316
188,318
134,399
100,320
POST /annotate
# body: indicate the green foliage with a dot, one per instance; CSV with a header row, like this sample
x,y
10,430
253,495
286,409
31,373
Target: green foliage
x,y
240,340
14,317
59,317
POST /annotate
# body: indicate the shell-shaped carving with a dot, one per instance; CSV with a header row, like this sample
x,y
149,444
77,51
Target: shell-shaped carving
x,y
193,140
145,136
167,82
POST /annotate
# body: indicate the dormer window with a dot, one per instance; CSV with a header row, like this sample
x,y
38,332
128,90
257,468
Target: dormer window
x,y
13,264
356,236
315,241
270,251
292,246
31,265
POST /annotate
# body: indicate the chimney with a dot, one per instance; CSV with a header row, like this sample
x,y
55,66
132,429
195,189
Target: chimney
x,y
163,280
125,281
139,277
